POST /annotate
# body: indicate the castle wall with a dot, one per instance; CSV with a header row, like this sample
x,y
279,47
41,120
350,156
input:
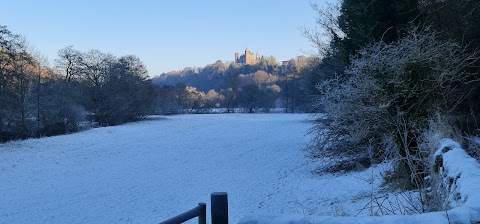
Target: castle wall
x,y
247,58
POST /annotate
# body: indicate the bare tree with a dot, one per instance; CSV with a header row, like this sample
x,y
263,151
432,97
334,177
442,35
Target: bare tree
x,y
70,63
250,97
126,94
96,68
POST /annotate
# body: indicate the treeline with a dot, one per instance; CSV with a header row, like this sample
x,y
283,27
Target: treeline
x,y
82,88
393,73
260,87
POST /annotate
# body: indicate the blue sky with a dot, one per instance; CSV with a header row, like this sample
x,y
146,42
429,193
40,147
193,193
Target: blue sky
x,y
166,34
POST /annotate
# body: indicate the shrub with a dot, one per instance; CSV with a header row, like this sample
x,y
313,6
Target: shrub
x,y
389,93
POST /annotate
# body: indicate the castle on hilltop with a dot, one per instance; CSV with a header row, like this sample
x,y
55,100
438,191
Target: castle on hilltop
x,y
248,58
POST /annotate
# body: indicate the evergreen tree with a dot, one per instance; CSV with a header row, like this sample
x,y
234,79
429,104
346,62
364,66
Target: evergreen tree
x,y
366,21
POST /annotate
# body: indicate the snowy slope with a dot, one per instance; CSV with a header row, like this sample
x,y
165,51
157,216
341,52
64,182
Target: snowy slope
x,y
150,171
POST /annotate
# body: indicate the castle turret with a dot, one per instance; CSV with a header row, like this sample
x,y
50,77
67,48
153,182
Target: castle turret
x,y
236,57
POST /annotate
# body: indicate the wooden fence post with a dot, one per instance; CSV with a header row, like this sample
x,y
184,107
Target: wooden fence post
x,y
202,217
219,208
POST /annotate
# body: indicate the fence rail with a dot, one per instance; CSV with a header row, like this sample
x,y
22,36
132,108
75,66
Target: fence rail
x,y
200,211
219,211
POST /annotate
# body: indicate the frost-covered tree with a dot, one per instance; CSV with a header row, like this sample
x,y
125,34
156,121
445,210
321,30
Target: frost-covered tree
x,y
213,99
17,68
250,97
69,63
126,94
389,92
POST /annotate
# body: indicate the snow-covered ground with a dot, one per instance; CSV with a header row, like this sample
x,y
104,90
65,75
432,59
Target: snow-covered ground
x,y
149,171
459,184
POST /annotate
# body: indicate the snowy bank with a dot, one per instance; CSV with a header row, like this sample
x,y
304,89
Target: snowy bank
x,y
460,180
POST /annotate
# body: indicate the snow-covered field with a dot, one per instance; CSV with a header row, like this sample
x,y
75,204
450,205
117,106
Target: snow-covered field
x,y
149,171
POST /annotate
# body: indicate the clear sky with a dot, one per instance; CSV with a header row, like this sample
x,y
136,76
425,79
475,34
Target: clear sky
x,y
166,34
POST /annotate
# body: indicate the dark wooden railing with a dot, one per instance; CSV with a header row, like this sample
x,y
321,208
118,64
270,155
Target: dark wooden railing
x,y
219,211
200,211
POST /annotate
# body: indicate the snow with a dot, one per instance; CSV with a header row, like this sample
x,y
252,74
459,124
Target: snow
x,y
393,219
461,180
149,171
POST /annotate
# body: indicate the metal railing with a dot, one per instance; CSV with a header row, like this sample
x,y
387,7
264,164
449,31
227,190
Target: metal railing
x,y
219,211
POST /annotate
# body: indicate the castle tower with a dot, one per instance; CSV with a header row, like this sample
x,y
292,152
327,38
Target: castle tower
x,y
237,57
249,57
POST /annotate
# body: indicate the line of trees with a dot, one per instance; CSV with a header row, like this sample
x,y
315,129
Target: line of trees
x,y
82,89
262,86
95,88
39,100
392,71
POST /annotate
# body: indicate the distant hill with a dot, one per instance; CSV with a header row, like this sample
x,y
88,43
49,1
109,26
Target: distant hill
x,y
220,75
263,85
